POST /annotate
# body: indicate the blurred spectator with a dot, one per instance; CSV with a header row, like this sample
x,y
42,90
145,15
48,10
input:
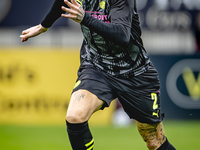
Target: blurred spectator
x,y
120,119
197,32
161,4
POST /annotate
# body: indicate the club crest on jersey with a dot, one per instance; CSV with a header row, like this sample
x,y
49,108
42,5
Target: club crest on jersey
x,y
102,4
80,2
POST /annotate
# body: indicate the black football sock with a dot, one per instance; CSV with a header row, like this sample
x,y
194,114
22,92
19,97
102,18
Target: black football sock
x,y
80,136
166,146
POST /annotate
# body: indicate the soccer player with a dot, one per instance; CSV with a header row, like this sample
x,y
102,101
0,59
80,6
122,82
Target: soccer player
x,y
114,64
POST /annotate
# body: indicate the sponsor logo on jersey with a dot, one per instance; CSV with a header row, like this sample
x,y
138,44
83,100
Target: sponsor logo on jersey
x,y
102,4
80,2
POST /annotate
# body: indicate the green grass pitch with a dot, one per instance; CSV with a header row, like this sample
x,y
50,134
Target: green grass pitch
x,y
184,135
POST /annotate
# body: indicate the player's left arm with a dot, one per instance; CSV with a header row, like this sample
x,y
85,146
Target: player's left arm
x,y
118,31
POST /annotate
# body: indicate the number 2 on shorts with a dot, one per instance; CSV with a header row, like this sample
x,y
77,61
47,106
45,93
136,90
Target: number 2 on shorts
x,y
154,98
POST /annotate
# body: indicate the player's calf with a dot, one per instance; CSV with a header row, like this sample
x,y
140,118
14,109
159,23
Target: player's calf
x,y
80,136
154,136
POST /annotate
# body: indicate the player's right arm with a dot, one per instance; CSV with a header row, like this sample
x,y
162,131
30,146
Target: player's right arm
x,y
31,32
48,21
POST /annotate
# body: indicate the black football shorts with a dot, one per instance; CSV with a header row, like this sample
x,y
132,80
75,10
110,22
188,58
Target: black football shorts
x,y
139,95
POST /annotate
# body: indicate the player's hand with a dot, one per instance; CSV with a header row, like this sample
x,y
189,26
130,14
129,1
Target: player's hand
x,y
31,32
75,11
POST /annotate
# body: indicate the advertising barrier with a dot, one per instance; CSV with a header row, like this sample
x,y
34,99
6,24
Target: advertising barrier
x,y
154,14
35,86
180,85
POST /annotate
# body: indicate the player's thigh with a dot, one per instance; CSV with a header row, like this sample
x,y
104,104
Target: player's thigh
x,y
152,133
82,105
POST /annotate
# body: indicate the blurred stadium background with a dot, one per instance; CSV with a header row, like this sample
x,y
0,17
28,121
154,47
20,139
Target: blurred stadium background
x,y
36,77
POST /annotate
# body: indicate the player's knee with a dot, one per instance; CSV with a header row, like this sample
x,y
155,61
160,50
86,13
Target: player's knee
x,y
76,117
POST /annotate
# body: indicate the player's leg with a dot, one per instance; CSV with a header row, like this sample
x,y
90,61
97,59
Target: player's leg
x,y
140,98
82,105
91,92
154,136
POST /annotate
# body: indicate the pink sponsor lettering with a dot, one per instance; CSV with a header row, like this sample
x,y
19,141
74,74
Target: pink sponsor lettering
x,y
99,16
105,17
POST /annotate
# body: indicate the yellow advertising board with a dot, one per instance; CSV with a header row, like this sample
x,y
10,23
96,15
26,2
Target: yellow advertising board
x,y
36,84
